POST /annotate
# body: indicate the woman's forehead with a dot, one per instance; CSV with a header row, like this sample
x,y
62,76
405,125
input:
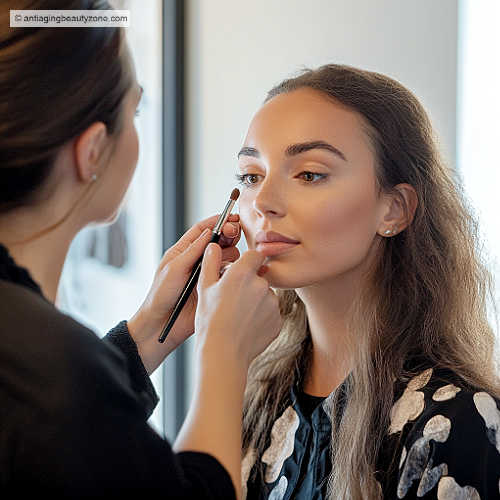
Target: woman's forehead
x,y
305,115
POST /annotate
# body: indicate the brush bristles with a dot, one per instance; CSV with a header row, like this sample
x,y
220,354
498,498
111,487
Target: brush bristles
x,y
235,193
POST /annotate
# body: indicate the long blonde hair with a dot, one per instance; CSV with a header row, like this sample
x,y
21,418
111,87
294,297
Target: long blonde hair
x,y
425,296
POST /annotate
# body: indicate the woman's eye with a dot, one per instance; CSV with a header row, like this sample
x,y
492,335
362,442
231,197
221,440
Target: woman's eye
x,y
311,176
247,179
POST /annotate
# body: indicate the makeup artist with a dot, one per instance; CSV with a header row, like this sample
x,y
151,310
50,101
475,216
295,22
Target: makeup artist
x,y
74,408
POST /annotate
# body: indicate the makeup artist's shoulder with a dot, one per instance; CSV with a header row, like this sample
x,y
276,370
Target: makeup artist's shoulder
x,y
40,337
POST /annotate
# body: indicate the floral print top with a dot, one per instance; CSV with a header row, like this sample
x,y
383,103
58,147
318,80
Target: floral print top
x,y
445,437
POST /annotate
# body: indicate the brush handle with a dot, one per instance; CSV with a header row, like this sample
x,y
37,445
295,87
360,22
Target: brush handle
x,y
186,292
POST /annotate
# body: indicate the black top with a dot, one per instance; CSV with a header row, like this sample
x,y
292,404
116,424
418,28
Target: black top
x,y
74,410
443,443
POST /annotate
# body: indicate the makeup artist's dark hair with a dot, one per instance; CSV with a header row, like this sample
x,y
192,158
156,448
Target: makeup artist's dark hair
x,y
54,83
425,297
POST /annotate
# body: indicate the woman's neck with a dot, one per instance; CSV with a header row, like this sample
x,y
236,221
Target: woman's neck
x,y
43,256
327,305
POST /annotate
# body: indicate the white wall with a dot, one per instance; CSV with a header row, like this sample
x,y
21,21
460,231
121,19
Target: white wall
x,y
477,122
238,50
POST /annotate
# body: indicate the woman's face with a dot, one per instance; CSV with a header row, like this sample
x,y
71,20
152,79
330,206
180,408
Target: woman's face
x,y
308,174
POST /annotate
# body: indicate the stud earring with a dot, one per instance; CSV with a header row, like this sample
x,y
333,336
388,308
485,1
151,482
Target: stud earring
x,y
93,178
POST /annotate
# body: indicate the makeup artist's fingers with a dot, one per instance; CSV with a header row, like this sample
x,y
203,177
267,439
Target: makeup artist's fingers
x,y
224,267
249,263
230,254
195,232
239,306
170,277
187,259
193,252
231,234
210,267
262,270
191,235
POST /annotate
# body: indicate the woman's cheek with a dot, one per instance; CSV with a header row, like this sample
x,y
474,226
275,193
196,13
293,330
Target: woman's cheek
x,y
339,228
328,220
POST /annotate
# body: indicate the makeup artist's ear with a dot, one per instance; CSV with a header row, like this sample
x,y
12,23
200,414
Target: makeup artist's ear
x,y
399,209
88,149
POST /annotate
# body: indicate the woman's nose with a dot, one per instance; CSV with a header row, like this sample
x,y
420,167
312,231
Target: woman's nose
x,y
269,200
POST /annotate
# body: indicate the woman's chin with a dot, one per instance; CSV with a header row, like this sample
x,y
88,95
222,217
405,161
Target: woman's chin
x,y
281,280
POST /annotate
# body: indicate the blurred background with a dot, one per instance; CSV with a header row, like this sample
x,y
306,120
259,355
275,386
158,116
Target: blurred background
x,y
206,66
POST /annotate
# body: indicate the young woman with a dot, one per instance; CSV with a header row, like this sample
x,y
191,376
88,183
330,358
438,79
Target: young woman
x,y
382,383
74,409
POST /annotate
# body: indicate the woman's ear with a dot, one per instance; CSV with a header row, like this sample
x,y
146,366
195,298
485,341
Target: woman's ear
x,y
88,148
400,209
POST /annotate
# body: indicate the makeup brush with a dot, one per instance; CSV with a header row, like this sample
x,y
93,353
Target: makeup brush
x,y
195,273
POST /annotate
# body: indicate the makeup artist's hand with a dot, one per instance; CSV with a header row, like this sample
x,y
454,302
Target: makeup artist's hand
x,y
171,276
238,314
237,318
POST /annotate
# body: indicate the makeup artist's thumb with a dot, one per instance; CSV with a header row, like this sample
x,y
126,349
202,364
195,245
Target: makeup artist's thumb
x,y
251,261
210,266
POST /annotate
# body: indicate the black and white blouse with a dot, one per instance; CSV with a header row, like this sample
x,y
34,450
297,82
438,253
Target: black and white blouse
x,y
445,437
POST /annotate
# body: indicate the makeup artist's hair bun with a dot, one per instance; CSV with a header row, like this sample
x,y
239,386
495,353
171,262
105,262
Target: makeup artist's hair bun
x,y
54,83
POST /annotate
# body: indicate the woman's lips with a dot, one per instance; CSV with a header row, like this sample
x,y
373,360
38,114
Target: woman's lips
x,y
271,243
270,249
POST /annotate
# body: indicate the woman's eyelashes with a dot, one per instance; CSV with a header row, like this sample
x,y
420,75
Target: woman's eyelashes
x,y
307,177
247,180
312,177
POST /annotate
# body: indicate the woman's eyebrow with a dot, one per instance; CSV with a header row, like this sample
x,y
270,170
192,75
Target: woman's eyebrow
x,y
302,147
247,151
296,149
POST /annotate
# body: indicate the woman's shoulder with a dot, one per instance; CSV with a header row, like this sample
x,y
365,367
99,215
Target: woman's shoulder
x,y
439,391
450,438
